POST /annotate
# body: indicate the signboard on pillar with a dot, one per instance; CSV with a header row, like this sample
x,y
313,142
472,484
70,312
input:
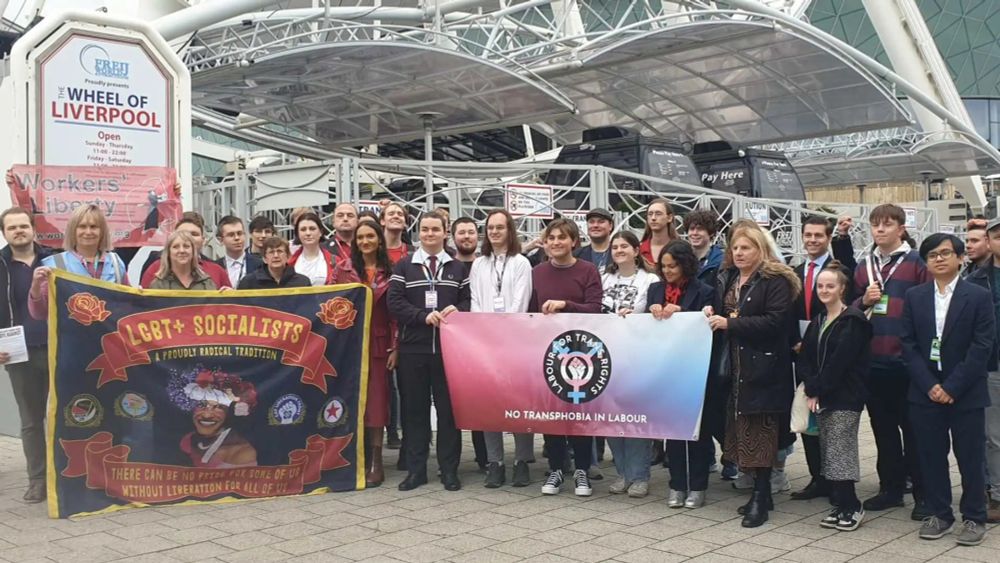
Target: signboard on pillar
x,y
103,102
90,89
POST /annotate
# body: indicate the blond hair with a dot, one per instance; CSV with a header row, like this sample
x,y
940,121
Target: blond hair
x,y
771,265
80,214
167,264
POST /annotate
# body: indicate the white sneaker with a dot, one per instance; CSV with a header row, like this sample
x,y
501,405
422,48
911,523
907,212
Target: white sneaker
x,y
618,487
582,484
553,485
779,481
639,489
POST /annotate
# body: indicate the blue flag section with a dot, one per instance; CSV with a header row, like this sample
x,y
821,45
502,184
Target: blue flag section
x,y
161,397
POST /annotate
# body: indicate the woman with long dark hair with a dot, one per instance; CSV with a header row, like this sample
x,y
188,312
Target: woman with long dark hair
x,y
757,295
679,289
369,264
625,284
500,282
312,259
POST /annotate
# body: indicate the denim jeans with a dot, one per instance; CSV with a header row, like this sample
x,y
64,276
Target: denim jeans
x,y
631,457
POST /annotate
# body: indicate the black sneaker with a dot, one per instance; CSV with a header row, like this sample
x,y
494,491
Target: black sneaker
x,y
883,501
553,484
920,511
392,440
849,521
521,478
495,475
581,484
831,519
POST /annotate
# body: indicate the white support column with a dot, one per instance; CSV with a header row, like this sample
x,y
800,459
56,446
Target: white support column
x,y
914,55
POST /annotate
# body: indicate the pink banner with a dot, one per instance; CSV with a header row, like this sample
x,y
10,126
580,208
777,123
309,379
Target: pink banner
x,y
138,202
574,374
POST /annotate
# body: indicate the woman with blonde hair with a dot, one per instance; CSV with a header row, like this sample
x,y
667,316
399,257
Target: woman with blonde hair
x,y
757,294
179,267
88,253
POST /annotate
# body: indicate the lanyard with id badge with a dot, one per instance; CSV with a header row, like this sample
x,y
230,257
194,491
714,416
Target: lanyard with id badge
x,y
875,274
431,295
498,304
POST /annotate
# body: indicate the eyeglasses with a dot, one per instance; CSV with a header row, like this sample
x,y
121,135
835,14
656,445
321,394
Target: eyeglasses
x,y
275,252
940,255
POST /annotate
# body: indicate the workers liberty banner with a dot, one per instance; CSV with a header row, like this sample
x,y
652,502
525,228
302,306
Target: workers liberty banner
x,y
575,374
160,397
140,203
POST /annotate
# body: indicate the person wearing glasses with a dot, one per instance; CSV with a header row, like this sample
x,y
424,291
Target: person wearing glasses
x,y
238,261
660,230
948,333
276,272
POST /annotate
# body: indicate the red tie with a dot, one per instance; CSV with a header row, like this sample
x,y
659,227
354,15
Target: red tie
x,y
434,265
809,290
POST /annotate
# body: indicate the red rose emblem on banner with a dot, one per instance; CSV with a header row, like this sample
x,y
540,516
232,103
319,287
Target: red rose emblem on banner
x,y
86,309
338,312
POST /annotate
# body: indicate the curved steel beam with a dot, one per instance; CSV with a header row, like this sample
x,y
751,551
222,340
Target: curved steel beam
x,y
953,120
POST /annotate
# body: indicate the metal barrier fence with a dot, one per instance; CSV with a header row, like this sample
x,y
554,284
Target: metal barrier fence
x,y
472,189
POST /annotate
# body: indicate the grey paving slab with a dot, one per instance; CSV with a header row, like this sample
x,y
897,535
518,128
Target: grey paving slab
x,y
474,525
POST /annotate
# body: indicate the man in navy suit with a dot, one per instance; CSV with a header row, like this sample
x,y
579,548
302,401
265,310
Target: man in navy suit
x,y
238,261
947,336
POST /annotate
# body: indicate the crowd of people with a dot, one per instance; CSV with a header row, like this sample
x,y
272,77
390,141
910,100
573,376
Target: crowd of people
x,y
908,333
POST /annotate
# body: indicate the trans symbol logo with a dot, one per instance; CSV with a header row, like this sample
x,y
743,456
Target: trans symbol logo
x,y
577,366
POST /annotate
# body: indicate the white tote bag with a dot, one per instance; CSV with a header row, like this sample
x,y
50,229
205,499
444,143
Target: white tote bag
x,y
800,411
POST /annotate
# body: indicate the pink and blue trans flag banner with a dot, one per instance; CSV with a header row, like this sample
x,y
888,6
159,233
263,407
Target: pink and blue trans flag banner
x,y
575,374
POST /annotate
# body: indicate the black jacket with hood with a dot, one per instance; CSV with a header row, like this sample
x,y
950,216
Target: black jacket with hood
x,y
834,364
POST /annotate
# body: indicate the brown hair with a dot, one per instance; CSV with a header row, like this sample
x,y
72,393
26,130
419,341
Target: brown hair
x,y
513,243
563,224
708,220
834,267
671,227
274,242
435,215
887,212
16,211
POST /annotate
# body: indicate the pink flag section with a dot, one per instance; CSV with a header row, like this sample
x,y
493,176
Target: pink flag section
x,y
578,374
139,202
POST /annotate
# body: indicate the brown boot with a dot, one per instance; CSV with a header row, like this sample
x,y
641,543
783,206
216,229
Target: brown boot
x,y
993,511
374,474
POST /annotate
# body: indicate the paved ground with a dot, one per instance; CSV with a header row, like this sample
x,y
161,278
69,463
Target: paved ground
x,y
474,525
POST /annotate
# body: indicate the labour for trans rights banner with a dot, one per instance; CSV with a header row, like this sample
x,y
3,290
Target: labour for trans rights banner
x,y
139,202
575,374
161,397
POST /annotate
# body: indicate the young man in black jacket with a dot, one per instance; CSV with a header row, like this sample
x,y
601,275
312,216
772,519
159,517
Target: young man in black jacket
x,y
29,379
426,287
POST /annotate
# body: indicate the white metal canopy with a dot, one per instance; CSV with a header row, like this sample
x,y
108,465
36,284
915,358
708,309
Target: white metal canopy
x,y
747,82
354,93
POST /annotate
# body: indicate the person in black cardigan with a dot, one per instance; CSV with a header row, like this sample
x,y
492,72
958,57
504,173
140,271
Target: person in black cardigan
x,y
681,290
833,365
757,293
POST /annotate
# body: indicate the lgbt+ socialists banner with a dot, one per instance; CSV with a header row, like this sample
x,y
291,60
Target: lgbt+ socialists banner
x,y
576,374
161,397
